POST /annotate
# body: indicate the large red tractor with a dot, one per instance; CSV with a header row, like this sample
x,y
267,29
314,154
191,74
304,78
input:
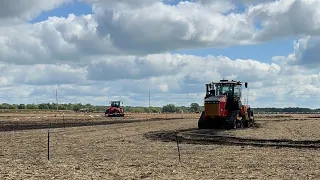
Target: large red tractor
x,y
115,109
223,106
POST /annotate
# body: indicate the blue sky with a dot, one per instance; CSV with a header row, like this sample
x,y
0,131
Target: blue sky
x,y
77,8
262,52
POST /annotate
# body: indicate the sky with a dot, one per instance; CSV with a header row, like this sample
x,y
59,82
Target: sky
x,y
96,51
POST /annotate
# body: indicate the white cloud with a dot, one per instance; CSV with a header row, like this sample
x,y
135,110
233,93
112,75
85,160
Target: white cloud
x,y
286,18
306,54
121,51
27,10
160,27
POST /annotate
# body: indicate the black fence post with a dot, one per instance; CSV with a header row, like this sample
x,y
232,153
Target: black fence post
x,y
48,144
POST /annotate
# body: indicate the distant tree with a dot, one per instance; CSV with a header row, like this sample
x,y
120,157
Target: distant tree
x,y
43,106
77,107
171,108
13,106
32,106
62,107
155,110
194,107
21,106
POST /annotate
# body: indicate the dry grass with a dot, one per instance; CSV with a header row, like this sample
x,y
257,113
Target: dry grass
x,y
120,151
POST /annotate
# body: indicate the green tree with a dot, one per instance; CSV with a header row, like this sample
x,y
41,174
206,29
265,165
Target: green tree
x,y
21,106
43,106
77,107
170,108
32,106
194,107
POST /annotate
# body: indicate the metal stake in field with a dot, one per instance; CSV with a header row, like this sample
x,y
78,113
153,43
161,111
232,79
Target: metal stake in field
x,y
149,98
57,99
178,146
48,144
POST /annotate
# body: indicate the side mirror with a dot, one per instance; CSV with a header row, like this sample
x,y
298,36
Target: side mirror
x,y
246,84
122,102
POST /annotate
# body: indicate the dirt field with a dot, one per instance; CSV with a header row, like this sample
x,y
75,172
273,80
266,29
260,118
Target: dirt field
x,y
143,147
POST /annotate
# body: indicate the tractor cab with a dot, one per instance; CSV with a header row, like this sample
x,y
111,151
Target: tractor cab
x,y
232,89
115,104
225,88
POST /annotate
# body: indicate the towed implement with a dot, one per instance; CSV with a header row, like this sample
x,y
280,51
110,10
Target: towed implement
x,y
115,110
223,106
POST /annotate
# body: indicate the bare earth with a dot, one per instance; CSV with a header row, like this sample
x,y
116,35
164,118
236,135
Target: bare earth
x,y
118,148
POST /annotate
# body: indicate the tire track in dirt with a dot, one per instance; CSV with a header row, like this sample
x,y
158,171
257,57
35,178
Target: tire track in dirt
x,y
195,136
9,126
282,120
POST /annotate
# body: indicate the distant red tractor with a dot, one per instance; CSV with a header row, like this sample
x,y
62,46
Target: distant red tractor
x,y
115,110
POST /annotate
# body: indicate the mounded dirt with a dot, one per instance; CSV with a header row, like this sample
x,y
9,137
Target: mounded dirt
x,y
129,151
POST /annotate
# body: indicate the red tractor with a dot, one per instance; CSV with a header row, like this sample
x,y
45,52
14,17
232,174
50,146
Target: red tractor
x,y
115,110
223,106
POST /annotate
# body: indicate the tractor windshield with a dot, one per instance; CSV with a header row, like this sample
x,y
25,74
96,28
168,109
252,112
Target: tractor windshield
x,y
237,91
224,89
115,104
229,89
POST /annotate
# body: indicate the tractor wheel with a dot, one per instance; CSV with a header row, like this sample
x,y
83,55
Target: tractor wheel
x,y
245,122
251,119
237,124
202,124
231,121
116,113
106,113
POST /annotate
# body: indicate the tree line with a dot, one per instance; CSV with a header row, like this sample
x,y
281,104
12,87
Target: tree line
x,y
78,107
169,108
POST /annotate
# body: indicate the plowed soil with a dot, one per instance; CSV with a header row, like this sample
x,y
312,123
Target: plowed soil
x,y
144,147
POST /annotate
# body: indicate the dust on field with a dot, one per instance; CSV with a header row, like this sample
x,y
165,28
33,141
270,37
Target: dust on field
x,y
120,151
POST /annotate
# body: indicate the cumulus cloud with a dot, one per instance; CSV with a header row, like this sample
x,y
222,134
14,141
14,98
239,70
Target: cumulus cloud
x,y
306,54
42,74
267,82
27,10
161,27
153,28
55,40
286,18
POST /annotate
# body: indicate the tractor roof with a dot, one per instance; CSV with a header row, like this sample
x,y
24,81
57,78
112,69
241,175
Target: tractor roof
x,y
228,82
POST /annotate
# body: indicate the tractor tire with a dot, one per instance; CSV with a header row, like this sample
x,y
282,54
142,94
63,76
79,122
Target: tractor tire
x,y
251,119
245,122
116,113
202,124
106,113
231,121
